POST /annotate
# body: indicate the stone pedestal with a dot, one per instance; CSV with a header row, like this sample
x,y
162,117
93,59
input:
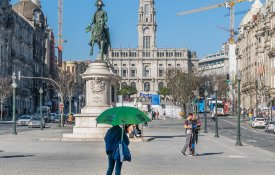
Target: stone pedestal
x,y
100,95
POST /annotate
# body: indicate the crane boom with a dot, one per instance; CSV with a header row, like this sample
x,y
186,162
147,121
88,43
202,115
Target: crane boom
x,y
60,30
201,9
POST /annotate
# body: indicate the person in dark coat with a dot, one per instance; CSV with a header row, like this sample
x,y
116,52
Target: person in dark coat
x,y
112,137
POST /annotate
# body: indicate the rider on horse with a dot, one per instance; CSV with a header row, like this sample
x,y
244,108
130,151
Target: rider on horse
x,y
100,31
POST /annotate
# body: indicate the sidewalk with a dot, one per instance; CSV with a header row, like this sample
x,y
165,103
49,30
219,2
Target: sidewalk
x,y
39,152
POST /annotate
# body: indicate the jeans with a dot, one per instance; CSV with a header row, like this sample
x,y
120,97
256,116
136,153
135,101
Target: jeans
x,y
112,163
187,143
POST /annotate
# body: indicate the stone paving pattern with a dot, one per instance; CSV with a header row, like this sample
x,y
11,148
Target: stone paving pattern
x,y
42,153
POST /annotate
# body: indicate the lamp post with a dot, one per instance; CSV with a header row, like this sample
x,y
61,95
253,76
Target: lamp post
x,y
41,117
216,116
256,89
205,115
14,86
59,111
271,111
238,143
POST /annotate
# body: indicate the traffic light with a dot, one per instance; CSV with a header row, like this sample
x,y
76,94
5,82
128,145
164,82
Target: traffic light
x,y
227,78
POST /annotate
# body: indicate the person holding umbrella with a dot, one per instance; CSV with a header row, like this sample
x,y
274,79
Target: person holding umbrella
x,y
116,139
112,138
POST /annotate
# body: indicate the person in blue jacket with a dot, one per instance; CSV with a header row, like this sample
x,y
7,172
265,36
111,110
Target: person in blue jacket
x,y
112,138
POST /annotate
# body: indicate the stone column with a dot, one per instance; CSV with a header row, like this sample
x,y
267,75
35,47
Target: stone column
x,y
99,79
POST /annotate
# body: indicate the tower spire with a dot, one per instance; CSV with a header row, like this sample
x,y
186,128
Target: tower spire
x,y
147,24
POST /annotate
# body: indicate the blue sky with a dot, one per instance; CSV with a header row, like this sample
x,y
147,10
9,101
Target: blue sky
x,y
198,31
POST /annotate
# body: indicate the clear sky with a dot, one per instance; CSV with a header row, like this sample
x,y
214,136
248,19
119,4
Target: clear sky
x,y
198,31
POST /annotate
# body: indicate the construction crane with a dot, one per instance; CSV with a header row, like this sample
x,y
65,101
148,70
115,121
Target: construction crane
x,y
60,30
228,30
228,4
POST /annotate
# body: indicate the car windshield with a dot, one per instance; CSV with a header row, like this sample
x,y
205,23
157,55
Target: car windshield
x,y
271,122
25,117
35,118
259,119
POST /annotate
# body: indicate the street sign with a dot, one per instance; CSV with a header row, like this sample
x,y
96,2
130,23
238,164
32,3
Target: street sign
x,y
273,108
61,106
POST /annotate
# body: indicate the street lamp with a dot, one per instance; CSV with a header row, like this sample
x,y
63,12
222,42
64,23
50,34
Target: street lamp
x,y
59,111
256,89
205,115
216,116
14,86
40,92
238,143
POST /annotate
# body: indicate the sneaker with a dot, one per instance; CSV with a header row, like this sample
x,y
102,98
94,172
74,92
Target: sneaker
x,y
183,153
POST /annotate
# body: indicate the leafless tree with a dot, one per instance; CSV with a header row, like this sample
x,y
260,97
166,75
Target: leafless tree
x,y
181,86
5,91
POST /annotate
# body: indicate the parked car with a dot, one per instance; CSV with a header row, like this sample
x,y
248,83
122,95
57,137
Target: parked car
x,y
36,122
258,122
55,119
23,120
269,126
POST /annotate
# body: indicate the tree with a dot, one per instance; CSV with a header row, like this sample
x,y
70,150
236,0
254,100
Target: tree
x,y
164,91
68,87
182,86
5,91
127,91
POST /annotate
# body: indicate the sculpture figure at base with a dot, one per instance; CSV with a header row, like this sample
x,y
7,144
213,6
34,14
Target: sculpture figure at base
x,y
100,32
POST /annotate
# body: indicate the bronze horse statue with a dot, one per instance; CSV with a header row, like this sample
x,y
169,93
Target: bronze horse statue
x,y
100,31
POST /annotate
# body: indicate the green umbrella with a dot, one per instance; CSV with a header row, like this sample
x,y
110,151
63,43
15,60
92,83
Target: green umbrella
x,y
122,115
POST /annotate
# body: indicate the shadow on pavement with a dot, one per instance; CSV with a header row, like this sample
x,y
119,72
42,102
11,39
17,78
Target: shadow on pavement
x,y
15,156
210,154
157,137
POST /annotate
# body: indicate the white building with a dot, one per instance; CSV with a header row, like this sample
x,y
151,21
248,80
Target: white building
x,y
145,67
215,64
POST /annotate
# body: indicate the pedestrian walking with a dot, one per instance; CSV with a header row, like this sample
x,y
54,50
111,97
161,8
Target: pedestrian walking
x,y
157,115
188,127
195,135
213,117
112,138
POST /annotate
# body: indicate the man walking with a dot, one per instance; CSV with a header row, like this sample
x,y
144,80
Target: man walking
x,y
188,127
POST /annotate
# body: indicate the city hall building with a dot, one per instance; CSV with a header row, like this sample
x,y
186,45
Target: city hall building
x,y
146,67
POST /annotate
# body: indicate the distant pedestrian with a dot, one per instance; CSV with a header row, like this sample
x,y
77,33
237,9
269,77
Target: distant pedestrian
x,y
188,127
153,115
112,138
157,115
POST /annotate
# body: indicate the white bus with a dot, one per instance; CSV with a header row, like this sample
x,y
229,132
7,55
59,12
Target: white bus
x,y
220,107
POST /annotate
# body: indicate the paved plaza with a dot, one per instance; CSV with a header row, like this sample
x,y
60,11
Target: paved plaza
x,y
39,152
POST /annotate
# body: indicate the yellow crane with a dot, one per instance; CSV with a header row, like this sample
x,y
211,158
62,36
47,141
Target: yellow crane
x,y
228,4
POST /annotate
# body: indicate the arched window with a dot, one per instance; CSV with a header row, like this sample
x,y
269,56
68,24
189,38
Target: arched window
x,y
146,71
73,69
123,85
133,84
68,69
160,85
146,86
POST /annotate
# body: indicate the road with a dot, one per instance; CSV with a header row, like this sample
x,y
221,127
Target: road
x,y
256,137
7,128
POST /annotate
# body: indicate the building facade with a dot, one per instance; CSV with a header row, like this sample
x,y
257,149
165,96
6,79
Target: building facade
x,y
23,35
215,64
256,55
146,67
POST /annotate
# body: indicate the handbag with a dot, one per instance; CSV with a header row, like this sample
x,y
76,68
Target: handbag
x,y
122,152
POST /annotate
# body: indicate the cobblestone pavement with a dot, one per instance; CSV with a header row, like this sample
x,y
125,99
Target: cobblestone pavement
x,y
42,153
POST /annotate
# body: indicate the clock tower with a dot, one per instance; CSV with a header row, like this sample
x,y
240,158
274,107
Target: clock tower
x,y
147,25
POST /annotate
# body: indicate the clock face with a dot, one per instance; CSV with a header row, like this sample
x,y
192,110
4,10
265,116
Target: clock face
x,y
146,31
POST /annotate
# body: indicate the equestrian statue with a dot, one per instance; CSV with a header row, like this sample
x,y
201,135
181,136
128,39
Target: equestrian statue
x,y
100,32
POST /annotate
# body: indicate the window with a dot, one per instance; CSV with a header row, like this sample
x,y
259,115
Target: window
x,y
115,71
146,9
169,64
146,86
160,85
178,65
133,84
133,65
133,73
124,73
124,65
123,85
68,69
160,73
73,69
146,71
160,65
115,64
146,41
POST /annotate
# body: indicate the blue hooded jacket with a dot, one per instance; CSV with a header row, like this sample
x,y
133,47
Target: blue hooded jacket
x,y
112,138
